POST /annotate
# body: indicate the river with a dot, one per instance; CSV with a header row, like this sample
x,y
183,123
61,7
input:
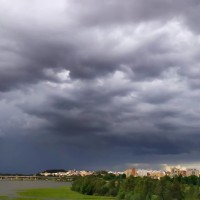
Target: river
x,y
9,188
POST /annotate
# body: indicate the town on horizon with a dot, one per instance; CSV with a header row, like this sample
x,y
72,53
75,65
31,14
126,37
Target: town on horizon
x,y
133,171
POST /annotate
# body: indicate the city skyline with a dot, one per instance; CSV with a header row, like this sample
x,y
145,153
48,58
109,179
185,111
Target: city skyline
x,y
99,84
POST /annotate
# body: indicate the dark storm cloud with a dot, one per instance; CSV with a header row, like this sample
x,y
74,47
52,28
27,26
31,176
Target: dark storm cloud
x,y
85,123
108,79
133,11
33,46
129,12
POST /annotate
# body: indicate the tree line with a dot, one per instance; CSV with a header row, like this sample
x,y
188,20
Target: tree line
x,y
139,188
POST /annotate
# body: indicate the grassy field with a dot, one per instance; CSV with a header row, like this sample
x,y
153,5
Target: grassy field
x,y
53,193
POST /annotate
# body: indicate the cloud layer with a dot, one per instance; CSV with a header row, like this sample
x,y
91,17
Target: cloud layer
x,y
87,84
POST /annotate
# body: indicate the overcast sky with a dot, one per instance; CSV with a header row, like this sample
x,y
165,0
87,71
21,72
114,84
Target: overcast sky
x,y
88,84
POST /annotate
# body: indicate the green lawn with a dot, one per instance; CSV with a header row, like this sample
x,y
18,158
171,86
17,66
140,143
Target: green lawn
x,y
55,193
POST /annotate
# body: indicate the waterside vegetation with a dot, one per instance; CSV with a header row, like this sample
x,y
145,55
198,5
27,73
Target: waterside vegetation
x,y
140,188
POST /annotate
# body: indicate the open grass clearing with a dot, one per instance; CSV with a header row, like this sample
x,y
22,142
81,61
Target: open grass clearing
x,y
56,193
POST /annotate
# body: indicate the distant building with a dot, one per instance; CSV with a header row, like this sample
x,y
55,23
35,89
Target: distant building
x,y
183,173
142,172
131,172
167,173
180,171
85,173
156,174
45,174
190,172
175,171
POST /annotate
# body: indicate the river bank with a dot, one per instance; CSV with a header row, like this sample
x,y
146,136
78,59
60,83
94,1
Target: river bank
x,y
10,188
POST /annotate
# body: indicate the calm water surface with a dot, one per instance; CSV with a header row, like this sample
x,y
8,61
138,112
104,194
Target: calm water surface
x,y
9,188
